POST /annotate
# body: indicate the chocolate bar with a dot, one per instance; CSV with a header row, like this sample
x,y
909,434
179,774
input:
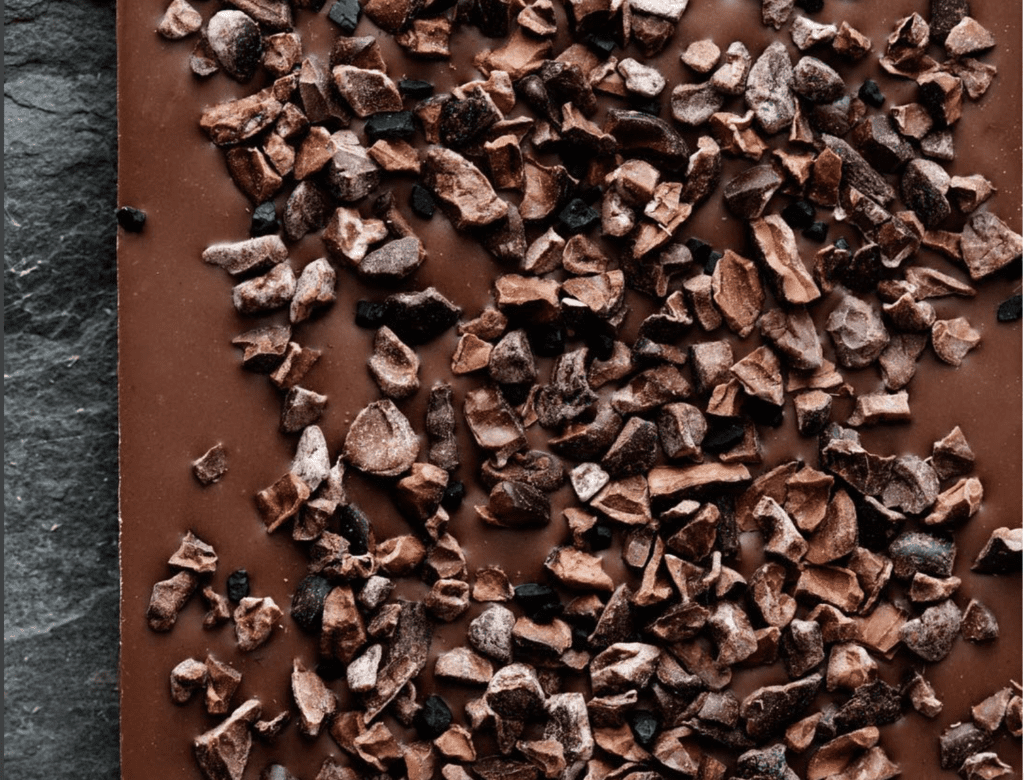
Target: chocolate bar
x,y
600,390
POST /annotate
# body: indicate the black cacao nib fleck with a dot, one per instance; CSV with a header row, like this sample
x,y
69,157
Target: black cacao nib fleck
x,y
308,602
871,93
421,201
516,394
238,585
415,89
799,214
433,719
131,219
602,45
493,17
700,250
816,231
389,125
723,434
539,602
599,537
644,724
345,14
329,669
651,107
369,314
1010,309
454,493
356,528
763,412
601,345
264,220
577,217
547,339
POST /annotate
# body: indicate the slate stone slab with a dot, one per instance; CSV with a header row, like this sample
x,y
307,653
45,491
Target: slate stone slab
x,y
60,391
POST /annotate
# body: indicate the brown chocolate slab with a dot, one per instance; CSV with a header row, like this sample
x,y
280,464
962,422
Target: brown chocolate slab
x,y
182,389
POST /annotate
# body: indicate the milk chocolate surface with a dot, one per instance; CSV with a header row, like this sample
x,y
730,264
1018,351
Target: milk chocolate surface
x,y
183,389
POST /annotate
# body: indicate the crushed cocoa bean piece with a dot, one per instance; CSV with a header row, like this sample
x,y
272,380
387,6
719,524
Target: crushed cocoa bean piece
x,y
737,291
257,174
979,623
447,599
650,389
265,293
648,137
968,192
218,608
985,766
578,570
849,667
956,504
770,709
312,462
194,555
169,598
221,683
282,500
187,677
976,76
250,256
235,41
922,696
817,81
932,635
959,742
297,362
831,585
254,622
736,135
381,441
953,339
393,365
263,348
634,451
747,195
268,730
516,505
587,480
769,89
1013,714
929,590
990,713
843,755
694,104
874,408
857,332
701,56
301,408
1001,553
315,701
223,752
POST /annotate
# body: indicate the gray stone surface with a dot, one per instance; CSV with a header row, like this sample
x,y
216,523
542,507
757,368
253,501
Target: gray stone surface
x,y
60,390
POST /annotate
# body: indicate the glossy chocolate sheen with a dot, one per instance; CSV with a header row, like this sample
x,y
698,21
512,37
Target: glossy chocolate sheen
x,y
182,389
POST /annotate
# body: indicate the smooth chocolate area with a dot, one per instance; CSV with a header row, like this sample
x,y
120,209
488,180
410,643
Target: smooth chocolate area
x,y
182,389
